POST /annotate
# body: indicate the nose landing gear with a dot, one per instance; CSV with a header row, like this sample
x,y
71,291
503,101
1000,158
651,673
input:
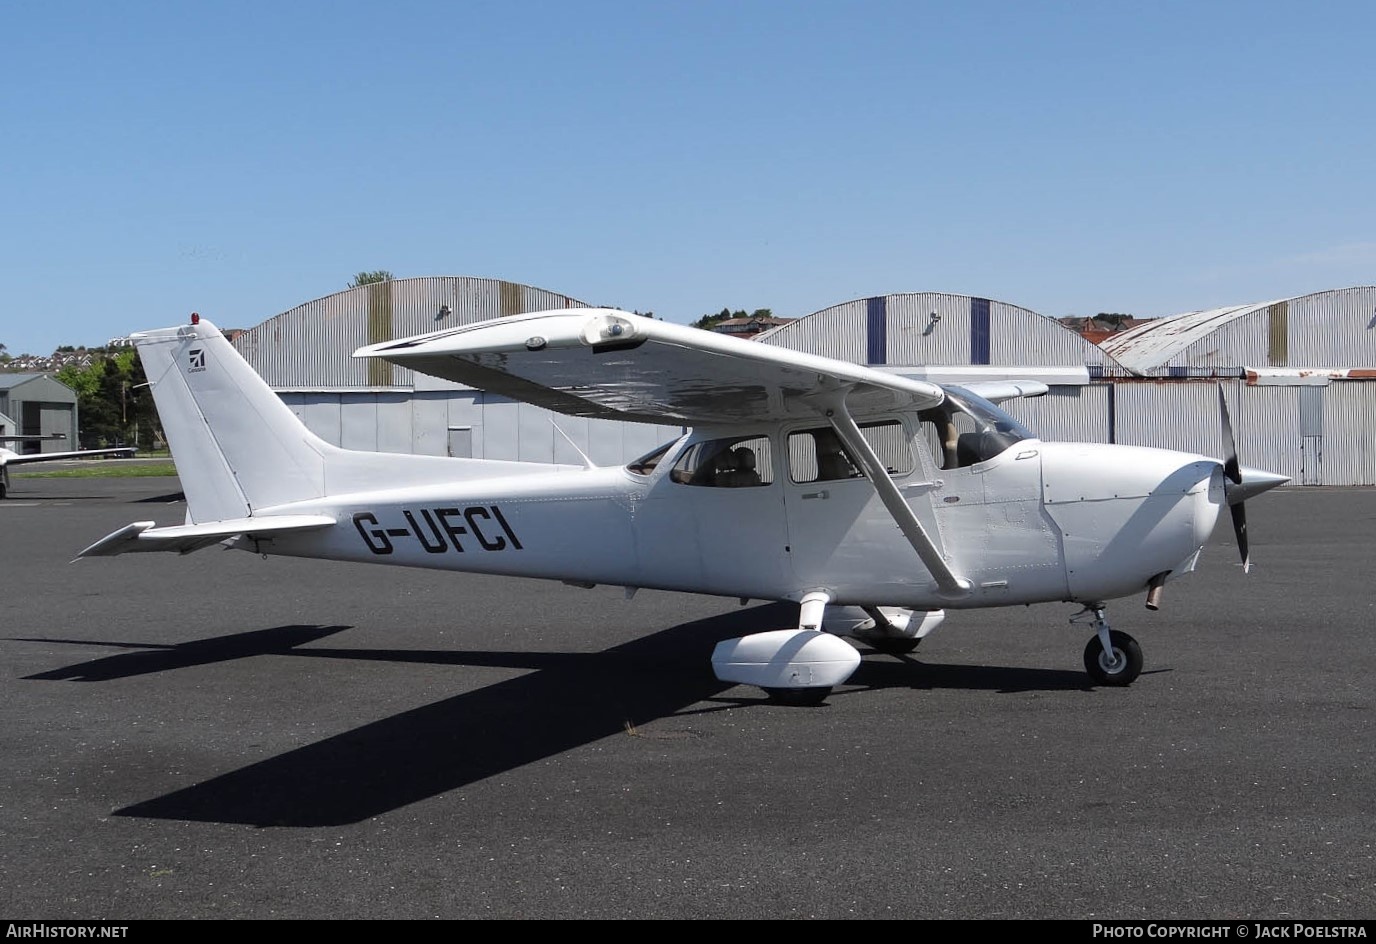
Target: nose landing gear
x,y
1112,657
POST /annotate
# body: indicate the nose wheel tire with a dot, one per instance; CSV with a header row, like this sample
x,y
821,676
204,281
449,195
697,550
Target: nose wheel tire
x,y
1121,666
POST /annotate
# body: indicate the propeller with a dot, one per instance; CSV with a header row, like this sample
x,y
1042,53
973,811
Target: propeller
x,y
1241,483
1232,470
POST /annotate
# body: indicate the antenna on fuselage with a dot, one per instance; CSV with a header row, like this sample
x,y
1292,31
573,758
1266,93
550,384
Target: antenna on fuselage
x,y
587,463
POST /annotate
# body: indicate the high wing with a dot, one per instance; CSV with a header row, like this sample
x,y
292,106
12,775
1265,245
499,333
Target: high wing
x,y
606,363
8,460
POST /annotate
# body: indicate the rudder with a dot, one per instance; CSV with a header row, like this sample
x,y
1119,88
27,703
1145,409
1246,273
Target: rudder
x,y
237,446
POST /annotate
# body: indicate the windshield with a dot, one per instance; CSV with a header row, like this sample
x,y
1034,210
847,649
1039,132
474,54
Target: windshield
x,y
966,429
647,463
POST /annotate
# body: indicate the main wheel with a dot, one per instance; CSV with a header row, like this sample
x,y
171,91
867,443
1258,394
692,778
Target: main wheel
x,y
799,696
892,645
1125,664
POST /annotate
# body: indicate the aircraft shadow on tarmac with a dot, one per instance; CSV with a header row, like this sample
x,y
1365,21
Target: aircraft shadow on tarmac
x,y
20,497
570,700
168,499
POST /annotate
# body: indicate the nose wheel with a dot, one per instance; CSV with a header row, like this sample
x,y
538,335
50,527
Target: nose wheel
x,y
1112,657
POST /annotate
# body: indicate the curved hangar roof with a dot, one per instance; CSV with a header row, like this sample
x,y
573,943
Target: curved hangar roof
x,y
933,328
1325,329
311,346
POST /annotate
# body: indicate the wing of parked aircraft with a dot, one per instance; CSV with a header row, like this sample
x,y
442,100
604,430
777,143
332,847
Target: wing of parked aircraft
x,y
9,457
605,363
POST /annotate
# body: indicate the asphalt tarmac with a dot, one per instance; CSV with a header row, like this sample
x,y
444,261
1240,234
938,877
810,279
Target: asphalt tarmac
x,y
223,736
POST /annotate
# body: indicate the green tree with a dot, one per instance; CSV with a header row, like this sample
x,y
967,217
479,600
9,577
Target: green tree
x,y
84,380
114,403
368,278
707,321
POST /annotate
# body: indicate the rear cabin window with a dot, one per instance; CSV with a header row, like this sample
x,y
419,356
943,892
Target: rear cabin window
x,y
817,455
741,462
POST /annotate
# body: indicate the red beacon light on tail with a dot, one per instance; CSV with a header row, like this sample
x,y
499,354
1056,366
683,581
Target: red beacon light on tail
x,y
195,318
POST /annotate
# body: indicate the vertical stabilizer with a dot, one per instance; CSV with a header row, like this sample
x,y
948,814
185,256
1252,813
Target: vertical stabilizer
x,y
237,446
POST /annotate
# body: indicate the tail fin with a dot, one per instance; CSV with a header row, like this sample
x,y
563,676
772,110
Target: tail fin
x,y
237,446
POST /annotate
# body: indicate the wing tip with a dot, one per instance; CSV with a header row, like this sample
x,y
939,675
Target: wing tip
x,y
116,542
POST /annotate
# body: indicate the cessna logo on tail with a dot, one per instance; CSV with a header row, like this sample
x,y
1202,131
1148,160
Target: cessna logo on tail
x,y
197,357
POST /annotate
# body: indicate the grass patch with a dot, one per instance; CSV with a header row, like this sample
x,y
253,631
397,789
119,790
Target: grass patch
x,y
117,469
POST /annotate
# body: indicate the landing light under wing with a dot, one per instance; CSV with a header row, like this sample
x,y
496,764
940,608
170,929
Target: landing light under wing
x,y
606,363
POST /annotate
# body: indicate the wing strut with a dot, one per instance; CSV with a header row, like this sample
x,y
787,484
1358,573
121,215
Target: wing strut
x,y
844,424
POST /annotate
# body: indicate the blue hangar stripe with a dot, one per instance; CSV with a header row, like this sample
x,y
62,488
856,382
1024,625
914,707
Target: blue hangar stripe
x,y
979,331
877,330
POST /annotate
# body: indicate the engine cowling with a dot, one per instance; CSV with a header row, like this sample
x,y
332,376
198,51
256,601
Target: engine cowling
x,y
1127,513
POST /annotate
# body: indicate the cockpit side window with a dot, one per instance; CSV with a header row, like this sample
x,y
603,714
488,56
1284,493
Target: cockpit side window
x,y
738,462
818,455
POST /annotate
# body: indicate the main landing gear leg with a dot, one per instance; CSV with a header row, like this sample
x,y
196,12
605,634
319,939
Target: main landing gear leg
x,y
896,632
1111,657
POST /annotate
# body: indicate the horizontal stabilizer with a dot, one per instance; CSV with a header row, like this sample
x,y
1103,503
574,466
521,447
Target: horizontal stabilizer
x,y
143,536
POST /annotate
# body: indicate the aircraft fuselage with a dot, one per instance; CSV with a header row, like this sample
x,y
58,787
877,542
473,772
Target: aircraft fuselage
x,y
1038,522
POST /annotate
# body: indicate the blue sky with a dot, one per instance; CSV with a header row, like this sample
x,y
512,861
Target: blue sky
x,y
239,159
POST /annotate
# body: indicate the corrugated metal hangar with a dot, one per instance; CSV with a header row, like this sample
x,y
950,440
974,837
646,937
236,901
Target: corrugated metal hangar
x,y
1300,369
1294,371
949,338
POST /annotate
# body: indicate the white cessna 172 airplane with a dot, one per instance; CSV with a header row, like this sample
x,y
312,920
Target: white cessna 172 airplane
x,y
9,457
803,479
